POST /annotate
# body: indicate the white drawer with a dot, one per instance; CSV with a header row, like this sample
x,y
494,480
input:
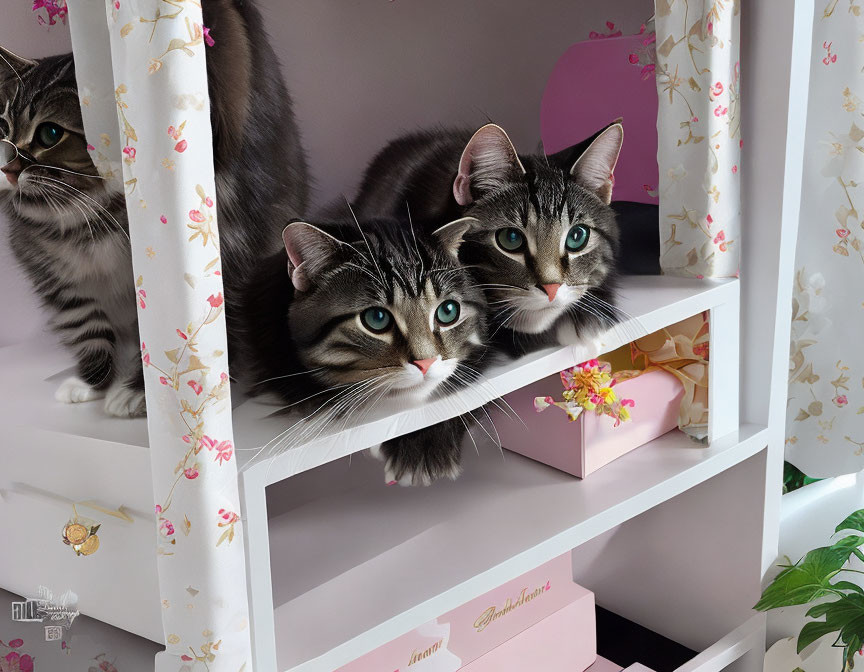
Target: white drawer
x,y
53,455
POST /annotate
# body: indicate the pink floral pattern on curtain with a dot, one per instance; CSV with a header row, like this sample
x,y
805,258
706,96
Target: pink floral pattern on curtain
x,y
699,135
825,416
148,125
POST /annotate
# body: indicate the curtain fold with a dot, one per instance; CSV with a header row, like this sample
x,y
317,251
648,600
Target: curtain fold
x,y
824,423
148,127
699,136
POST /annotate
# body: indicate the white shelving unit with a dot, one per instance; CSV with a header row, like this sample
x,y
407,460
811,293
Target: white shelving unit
x,y
359,541
674,536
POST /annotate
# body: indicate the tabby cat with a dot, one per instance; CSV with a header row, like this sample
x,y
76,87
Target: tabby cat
x,y
544,240
361,314
68,228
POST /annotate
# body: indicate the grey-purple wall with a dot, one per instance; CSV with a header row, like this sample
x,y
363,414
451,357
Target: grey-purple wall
x,y
364,72
19,316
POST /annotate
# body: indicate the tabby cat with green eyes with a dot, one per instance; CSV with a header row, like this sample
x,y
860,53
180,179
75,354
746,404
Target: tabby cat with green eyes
x,y
352,314
543,240
68,226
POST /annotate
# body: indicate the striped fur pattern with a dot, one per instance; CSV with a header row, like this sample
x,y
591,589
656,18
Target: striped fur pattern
x,y
306,340
69,231
542,291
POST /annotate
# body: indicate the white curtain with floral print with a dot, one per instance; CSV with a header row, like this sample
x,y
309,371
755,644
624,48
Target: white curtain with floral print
x,y
699,136
825,417
142,63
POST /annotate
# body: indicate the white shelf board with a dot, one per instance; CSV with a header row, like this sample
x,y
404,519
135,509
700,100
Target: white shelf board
x,y
653,302
31,372
360,564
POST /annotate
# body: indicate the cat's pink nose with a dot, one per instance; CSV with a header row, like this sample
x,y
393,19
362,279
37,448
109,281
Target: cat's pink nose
x,y
551,290
11,176
424,364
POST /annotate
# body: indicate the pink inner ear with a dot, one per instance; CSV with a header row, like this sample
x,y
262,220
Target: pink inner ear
x,y
296,271
595,168
462,188
298,277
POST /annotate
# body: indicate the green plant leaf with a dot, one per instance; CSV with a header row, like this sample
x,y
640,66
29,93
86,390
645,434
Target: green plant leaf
x,y
853,646
853,629
854,521
849,542
806,581
819,610
846,546
848,585
812,631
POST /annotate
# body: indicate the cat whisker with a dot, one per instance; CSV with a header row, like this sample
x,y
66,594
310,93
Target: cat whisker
x,y
311,396
304,423
9,65
366,241
288,375
414,236
632,326
285,435
463,421
480,379
279,443
617,310
80,193
50,200
63,170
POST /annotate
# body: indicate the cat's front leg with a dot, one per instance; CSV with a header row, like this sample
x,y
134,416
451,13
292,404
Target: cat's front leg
x,y
125,398
87,331
424,456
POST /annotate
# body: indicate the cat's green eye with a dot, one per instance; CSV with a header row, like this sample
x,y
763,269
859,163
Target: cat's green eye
x,y
48,134
377,319
510,239
577,238
447,313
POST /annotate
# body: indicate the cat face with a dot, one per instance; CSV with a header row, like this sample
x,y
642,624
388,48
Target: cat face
x,y
543,235
385,312
52,180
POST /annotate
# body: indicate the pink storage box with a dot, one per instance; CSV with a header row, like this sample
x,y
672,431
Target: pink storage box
x,y
555,644
603,665
466,633
591,441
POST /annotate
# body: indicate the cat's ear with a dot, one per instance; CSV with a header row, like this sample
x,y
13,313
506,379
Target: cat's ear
x,y
594,169
310,251
565,158
451,236
13,65
488,162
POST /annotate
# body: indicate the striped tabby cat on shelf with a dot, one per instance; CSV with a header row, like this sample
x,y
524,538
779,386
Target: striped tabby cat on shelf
x,y
354,313
544,242
68,228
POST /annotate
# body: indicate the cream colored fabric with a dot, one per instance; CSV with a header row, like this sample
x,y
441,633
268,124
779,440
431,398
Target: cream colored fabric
x,y
825,411
699,136
682,350
163,143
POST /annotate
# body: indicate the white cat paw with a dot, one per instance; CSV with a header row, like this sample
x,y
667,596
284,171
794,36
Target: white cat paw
x,y
407,480
76,391
123,402
418,477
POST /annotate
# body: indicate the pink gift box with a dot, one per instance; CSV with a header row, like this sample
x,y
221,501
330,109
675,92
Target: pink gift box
x,y
591,441
555,644
472,630
603,665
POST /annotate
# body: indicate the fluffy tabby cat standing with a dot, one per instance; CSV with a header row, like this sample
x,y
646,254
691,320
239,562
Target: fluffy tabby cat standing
x,y
68,230
545,239
361,314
